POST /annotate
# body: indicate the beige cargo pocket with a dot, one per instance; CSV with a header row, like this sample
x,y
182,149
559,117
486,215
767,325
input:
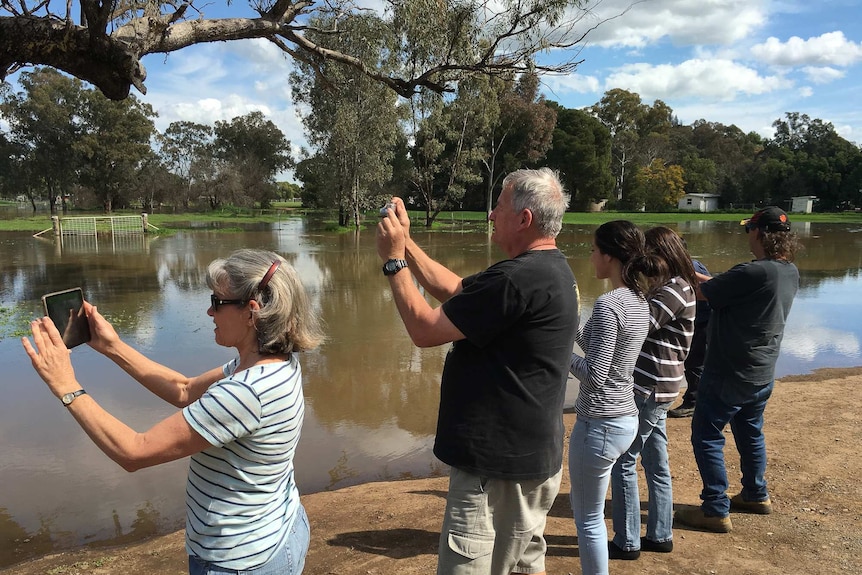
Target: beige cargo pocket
x,y
470,546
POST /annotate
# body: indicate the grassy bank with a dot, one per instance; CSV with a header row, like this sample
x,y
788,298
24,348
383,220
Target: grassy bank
x,y
236,218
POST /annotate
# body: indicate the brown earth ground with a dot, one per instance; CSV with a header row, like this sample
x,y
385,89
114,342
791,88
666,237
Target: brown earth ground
x,y
813,432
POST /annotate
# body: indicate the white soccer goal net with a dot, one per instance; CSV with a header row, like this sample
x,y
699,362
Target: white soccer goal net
x,y
101,225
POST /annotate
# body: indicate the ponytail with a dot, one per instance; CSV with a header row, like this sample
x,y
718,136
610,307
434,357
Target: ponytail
x,y
623,240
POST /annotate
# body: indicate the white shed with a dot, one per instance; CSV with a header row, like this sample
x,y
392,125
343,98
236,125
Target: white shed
x,y
699,202
802,204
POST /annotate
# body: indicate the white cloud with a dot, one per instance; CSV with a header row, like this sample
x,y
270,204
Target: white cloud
x,y
823,75
710,79
830,49
218,82
806,91
572,83
682,21
807,343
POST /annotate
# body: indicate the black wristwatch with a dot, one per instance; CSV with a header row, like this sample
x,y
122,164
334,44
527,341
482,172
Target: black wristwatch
x,y
392,267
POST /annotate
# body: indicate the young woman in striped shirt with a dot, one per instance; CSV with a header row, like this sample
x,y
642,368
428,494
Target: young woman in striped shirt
x,y
607,417
659,372
240,423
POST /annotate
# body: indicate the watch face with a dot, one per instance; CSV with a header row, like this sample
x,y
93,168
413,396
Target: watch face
x,y
70,397
392,267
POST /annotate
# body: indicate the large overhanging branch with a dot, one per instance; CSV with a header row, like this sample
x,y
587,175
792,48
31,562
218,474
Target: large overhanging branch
x,y
107,47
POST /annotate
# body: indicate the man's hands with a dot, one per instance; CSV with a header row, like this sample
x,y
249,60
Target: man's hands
x,y
393,232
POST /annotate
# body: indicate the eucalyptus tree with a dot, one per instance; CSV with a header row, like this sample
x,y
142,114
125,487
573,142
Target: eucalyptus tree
x,y
45,120
448,140
437,40
581,152
351,121
252,150
733,153
18,176
155,184
184,147
638,131
521,127
814,160
113,141
621,112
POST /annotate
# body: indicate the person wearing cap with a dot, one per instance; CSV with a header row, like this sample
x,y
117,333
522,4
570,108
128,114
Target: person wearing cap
x,y
750,303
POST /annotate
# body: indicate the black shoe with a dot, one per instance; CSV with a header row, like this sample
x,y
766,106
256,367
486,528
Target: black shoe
x,y
615,552
655,546
684,410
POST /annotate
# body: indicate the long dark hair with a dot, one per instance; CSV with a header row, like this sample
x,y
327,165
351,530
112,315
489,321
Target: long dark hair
x,y
780,245
669,246
623,240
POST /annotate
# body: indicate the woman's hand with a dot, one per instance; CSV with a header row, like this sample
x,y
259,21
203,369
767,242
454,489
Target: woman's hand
x,y
102,333
51,358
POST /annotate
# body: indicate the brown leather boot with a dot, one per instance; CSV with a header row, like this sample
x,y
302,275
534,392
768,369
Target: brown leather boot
x,y
696,518
737,503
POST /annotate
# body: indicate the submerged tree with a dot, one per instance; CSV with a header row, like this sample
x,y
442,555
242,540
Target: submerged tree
x,y
435,41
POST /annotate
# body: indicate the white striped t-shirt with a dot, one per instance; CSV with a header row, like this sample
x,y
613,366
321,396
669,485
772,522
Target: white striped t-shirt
x,y
241,497
611,340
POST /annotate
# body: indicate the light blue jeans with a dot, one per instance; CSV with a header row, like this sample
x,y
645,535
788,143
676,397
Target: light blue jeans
x,y
289,560
595,445
651,444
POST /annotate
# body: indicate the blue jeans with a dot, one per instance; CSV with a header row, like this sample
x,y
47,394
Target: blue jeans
x,y
651,444
595,445
719,402
288,560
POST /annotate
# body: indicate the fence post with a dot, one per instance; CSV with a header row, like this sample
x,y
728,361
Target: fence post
x,y
55,224
144,221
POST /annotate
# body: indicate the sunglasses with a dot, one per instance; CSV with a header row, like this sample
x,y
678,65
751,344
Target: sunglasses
x,y
216,302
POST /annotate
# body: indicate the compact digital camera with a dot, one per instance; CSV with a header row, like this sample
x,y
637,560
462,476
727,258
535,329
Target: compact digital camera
x,y
385,209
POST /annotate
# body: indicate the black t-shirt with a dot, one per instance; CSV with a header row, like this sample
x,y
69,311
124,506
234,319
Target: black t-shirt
x,y
750,303
501,398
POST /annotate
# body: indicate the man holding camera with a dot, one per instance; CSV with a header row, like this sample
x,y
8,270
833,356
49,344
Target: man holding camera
x,y
512,329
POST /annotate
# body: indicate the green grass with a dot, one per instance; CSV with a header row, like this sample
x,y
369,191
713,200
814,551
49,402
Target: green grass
x,y
232,219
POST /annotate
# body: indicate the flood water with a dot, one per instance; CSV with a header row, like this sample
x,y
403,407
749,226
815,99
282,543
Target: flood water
x,y
371,395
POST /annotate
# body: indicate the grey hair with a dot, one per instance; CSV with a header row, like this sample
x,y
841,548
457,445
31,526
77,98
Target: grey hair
x,y
541,192
286,321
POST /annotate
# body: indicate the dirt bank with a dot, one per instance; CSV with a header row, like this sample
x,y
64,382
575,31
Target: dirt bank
x,y
814,427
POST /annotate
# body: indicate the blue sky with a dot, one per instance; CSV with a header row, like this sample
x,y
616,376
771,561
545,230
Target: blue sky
x,y
743,62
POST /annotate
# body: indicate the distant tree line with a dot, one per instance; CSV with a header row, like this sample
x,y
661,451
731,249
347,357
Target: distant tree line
x,y
439,153
65,141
